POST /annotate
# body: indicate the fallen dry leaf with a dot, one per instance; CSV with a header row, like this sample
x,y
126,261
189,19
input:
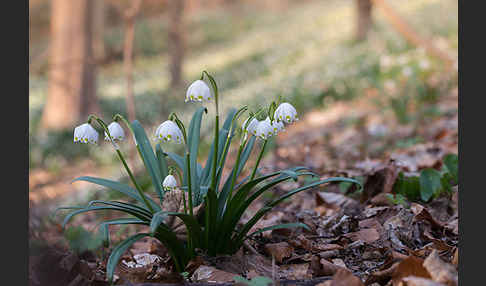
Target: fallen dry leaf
x,y
206,273
367,235
345,278
419,281
296,271
440,271
411,266
279,250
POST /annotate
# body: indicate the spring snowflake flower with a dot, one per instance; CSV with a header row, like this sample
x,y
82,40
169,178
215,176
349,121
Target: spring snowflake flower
x,y
264,129
85,133
251,128
169,183
116,131
198,91
168,131
277,126
286,112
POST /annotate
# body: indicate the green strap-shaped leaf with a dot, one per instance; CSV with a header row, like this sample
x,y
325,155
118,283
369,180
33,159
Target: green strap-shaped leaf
x,y
124,205
148,158
223,133
157,220
122,188
163,167
118,252
193,228
181,163
240,203
193,143
223,195
280,226
139,215
104,230
240,237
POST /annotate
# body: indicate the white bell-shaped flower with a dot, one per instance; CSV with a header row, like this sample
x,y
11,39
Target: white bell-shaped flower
x,y
85,133
168,131
169,183
116,131
198,91
286,112
264,129
277,126
251,128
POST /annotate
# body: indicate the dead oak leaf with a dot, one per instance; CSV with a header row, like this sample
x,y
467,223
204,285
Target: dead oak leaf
x,y
411,266
419,281
367,235
279,250
440,271
206,273
345,278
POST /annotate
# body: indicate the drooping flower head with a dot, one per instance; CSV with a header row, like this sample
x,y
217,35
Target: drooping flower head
x,y
168,131
85,133
169,183
286,112
264,129
198,91
251,128
116,131
276,125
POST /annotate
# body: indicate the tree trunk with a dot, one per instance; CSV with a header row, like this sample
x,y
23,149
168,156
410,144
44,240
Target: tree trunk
x,y
129,16
176,41
98,30
364,19
71,86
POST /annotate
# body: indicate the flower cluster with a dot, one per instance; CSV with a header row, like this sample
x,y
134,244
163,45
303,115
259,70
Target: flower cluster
x,y
215,228
285,113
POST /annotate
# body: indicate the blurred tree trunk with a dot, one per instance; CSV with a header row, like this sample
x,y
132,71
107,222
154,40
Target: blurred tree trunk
x,y
176,41
98,30
129,17
364,19
71,86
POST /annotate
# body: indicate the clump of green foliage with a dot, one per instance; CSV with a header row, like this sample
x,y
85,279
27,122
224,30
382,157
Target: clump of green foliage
x,y
215,228
430,183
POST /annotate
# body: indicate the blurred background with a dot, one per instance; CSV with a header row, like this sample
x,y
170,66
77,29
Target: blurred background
x,y
388,67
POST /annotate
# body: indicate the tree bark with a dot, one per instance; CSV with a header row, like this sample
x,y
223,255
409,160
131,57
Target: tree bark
x,y
364,20
71,74
129,16
98,30
410,34
176,41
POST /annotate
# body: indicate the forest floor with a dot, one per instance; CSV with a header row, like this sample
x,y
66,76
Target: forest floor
x,y
380,113
366,235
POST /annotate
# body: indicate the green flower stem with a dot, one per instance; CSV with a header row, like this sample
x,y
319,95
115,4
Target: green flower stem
x,y
215,159
233,179
137,187
183,193
117,117
258,160
189,188
134,182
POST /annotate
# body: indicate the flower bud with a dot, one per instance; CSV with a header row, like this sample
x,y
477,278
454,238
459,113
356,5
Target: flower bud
x,y
168,131
85,133
286,112
198,91
169,183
